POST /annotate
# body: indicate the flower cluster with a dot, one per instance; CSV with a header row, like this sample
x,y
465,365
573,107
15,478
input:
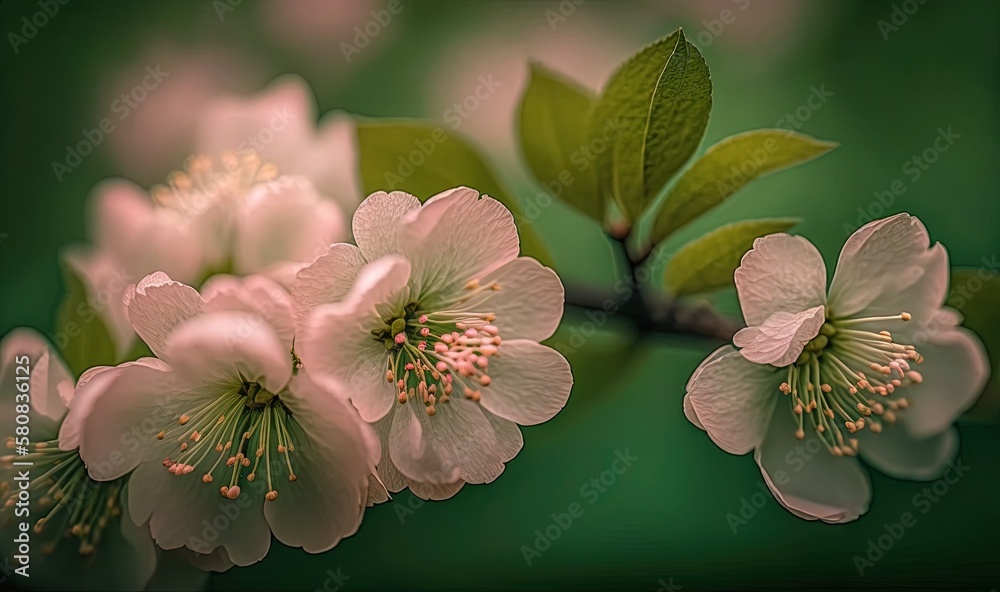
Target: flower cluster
x,y
291,380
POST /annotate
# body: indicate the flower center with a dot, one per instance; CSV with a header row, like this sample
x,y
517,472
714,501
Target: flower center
x,y
225,436
61,490
850,378
205,182
432,353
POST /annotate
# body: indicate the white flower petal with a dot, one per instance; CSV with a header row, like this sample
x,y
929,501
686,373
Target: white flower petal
x,y
391,478
329,278
781,338
436,492
924,297
413,452
457,236
27,359
335,452
136,403
106,281
508,436
782,273
530,382
734,399
156,305
254,294
690,413
955,371
377,492
881,259
227,348
529,303
89,388
378,220
898,455
284,220
715,355
184,512
461,427
806,479
337,343
217,561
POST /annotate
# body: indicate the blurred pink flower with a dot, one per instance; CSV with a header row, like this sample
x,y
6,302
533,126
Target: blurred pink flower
x,y
155,127
316,29
280,124
219,215
580,49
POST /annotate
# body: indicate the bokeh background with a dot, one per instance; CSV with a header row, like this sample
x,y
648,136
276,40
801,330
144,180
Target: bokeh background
x,y
663,524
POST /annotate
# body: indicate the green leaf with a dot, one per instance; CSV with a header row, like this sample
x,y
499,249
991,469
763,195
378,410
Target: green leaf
x,y
708,263
658,103
424,159
552,125
727,167
82,338
975,292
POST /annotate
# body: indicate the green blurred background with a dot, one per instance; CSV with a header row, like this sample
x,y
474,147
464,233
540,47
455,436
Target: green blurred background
x,y
664,521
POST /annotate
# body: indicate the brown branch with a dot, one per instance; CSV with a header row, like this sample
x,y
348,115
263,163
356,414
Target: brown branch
x,y
651,314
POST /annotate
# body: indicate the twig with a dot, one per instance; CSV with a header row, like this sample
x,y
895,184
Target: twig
x,y
654,315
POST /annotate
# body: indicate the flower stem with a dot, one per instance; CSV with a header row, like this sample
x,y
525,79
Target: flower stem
x,y
651,314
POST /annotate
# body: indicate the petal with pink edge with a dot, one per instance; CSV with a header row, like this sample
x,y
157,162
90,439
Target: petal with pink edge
x,y
335,452
530,382
378,220
734,399
156,305
781,273
881,259
781,338
809,481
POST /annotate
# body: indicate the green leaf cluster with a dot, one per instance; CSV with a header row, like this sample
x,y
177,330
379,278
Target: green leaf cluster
x,y
615,154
